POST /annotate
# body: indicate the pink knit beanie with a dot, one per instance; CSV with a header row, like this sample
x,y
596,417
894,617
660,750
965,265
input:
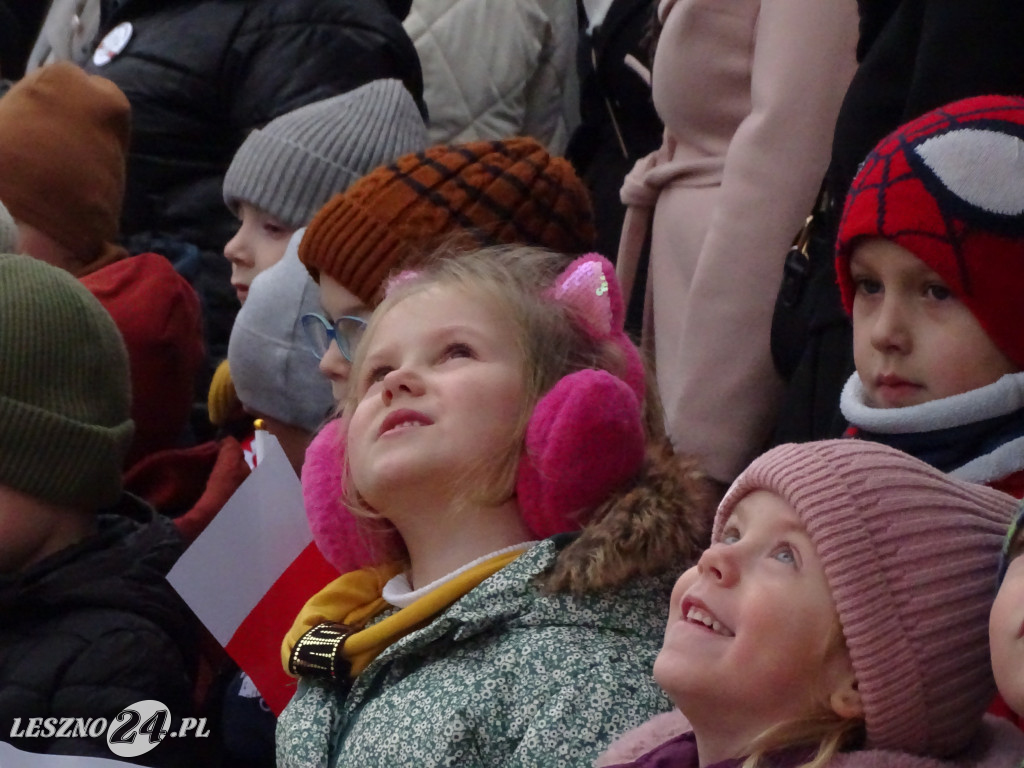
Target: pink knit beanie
x,y
910,555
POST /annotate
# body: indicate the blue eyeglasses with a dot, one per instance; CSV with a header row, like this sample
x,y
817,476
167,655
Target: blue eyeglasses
x,y
345,332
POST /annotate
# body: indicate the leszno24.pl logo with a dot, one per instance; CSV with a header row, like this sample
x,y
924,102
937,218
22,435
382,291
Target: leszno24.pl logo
x,y
133,731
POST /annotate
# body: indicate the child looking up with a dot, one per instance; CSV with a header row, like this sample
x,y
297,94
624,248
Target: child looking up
x,y
837,619
471,641
930,258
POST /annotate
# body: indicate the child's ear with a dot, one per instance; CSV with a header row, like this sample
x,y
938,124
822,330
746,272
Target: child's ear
x,y
845,699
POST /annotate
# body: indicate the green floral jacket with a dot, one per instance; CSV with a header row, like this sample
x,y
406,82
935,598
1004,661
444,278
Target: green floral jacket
x,y
505,677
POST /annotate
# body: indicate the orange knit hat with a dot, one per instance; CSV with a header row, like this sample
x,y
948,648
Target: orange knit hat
x,y
496,192
63,142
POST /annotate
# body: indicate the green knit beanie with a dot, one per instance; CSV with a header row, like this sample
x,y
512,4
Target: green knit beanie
x,y
65,388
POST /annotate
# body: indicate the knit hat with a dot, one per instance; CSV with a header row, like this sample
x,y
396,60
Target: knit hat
x,y
949,187
159,318
63,142
910,557
274,372
293,165
8,231
498,192
65,391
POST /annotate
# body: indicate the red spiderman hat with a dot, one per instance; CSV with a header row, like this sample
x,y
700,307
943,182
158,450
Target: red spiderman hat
x,y
949,187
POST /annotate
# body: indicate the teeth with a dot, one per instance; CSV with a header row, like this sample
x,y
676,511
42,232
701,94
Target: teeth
x,y
406,424
695,614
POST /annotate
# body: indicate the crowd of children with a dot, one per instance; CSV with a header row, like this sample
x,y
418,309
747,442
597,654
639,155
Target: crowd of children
x,y
530,571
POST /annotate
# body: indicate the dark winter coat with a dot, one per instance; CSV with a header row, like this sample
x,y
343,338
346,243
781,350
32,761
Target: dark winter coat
x,y
94,628
200,75
619,124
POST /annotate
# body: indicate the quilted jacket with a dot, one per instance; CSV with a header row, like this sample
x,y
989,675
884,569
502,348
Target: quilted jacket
x,y
498,68
200,76
94,628
507,676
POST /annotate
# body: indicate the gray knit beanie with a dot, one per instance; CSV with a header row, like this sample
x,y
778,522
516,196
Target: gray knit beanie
x,y
65,388
274,372
8,231
296,162
910,557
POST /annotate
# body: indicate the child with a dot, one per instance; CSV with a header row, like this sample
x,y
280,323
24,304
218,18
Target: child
x,y
88,624
285,171
64,136
274,374
488,192
470,642
1007,619
838,619
930,257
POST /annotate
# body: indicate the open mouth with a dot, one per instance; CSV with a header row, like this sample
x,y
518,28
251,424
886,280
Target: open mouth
x,y
697,614
403,419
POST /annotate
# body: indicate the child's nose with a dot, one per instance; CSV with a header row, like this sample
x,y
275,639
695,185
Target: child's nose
x,y
234,251
889,332
718,563
404,380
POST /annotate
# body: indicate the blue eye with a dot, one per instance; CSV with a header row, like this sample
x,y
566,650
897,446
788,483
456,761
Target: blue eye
x,y
785,554
730,536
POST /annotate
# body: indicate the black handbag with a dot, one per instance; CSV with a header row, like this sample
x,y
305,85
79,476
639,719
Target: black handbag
x,y
807,260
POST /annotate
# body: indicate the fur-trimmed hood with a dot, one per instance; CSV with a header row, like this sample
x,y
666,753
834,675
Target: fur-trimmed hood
x,y
660,525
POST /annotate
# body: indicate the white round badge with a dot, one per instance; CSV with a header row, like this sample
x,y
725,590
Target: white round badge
x,y
111,45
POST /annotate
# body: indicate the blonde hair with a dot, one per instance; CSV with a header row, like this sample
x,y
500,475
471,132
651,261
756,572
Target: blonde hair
x,y
831,732
551,340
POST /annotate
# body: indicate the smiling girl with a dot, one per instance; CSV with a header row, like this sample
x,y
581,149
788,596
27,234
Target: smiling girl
x,y
493,402
839,618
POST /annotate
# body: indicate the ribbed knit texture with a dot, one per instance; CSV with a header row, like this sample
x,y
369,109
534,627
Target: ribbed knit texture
x,y
294,164
910,556
948,188
274,371
497,192
65,390
8,231
64,138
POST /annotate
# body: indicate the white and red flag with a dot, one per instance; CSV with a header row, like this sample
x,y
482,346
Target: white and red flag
x,y
250,572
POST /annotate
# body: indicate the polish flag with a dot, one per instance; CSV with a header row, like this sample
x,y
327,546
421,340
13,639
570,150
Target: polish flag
x,y
249,573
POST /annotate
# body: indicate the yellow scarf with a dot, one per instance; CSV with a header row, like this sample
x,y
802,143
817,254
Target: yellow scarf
x,y
355,598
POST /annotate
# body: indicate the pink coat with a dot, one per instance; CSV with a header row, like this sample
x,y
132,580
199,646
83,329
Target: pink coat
x,y
748,91
999,745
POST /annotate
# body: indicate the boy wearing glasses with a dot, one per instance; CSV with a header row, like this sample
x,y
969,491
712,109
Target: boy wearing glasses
x,y
276,343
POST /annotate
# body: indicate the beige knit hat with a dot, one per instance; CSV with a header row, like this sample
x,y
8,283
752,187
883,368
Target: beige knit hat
x,y
496,192
910,555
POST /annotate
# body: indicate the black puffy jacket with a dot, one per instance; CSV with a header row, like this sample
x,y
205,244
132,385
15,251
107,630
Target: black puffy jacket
x,y
201,74
95,628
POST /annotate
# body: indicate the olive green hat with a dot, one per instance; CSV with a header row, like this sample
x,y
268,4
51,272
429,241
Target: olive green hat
x,y
65,388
